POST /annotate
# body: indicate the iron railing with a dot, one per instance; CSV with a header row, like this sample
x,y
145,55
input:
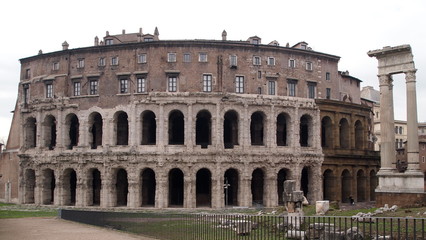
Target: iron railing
x,y
206,226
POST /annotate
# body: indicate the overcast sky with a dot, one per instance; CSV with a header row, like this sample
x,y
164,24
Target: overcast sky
x,y
348,29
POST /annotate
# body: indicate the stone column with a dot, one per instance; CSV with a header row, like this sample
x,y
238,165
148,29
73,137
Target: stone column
x,y
161,123
189,127
387,145
161,192
190,196
412,124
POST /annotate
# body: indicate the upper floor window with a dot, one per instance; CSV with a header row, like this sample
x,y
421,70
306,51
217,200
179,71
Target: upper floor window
x,y
114,61
55,66
309,66
101,62
26,93
80,63
171,57
186,57
271,61
77,88
49,90
141,84
239,84
207,83
233,60
124,85
109,41
202,57
172,83
401,130
328,93
255,41
291,63
292,87
148,39
27,73
256,60
142,58
271,87
327,76
259,74
93,87
311,89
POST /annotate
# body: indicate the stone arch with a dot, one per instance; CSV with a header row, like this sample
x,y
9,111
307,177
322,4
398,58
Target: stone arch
x,y
231,192
121,128
257,186
176,187
326,132
344,133
346,185
29,185
30,132
95,130
373,185
149,128
72,126
203,189
148,187
359,135
48,186
49,132
305,133
69,186
230,129
95,187
283,123
257,128
361,187
283,174
306,181
176,128
329,185
121,187
203,129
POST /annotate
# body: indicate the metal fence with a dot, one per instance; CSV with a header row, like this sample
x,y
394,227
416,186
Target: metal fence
x,y
236,226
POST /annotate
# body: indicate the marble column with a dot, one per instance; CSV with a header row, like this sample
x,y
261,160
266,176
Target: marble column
x,y
412,124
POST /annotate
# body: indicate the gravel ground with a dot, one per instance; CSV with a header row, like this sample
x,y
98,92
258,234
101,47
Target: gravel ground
x,y
57,229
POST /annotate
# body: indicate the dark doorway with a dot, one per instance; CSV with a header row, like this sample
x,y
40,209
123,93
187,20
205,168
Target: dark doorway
x,y
282,176
231,192
122,129
30,180
373,185
282,130
73,130
304,131
69,186
346,186
328,185
96,187
326,133
176,128
344,133
148,187
95,123
50,132
176,188
49,184
360,186
257,128
230,129
122,187
257,182
149,128
304,181
203,129
359,139
31,133
203,188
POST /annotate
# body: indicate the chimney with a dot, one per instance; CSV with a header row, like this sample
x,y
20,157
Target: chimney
x,y
40,52
224,34
124,31
65,45
140,31
96,41
107,33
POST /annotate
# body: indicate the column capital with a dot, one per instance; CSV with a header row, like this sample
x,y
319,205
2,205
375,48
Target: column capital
x,y
410,75
385,80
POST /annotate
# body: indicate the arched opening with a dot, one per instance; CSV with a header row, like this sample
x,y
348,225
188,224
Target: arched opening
x,y
360,186
95,130
148,187
176,128
304,181
72,125
149,128
346,186
203,188
373,185
257,128
230,129
326,132
30,133
69,187
283,175
48,186
344,133
30,180
282,130
305,134
359,139
176,188
328,185
122,128
49,126
231,187
95,186
257,184
203,129
122,187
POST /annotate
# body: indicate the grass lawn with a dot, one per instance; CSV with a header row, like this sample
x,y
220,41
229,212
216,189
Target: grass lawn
x,y
8,210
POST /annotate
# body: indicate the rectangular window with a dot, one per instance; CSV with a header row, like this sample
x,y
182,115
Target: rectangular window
x,y
233,60
55,66
328,93
186,57
309,66
142,58
80,63
93,84
292,87
271,87
239,84
172,84
256,60
114,61
101,62
141,84
311,89
259,74
27,73
327,76
109,41
207,83
171,57
202,57
271,61
77,88
49,90
26,93
291,63
148,39
124,85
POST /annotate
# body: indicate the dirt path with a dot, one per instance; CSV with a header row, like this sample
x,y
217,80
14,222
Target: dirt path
x,y
57,229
